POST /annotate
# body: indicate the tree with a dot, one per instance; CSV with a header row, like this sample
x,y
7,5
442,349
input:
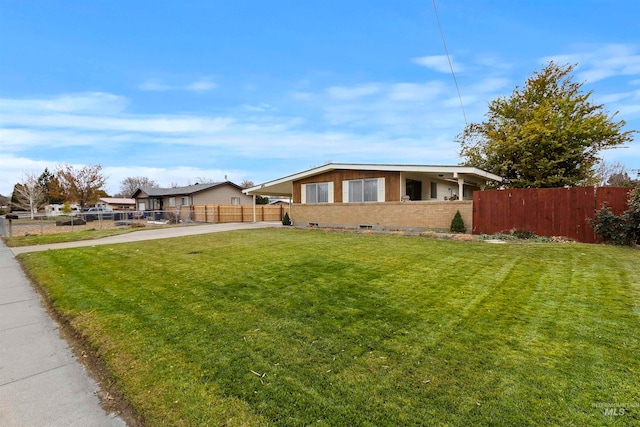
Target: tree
x,y
28,195
547,134
51,187
622,180
129,185
457,224
246,184
80,185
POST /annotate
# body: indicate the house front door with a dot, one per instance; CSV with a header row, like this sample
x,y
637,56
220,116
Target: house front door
x,y
414,189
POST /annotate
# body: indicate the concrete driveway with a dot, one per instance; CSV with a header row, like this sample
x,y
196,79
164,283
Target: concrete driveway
x,y
41,382
153,234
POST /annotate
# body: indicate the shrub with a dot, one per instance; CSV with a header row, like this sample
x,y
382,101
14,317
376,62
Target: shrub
x,y
619,229
285,219
522,234
457,224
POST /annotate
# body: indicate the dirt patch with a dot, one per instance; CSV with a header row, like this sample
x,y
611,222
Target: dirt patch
x,y
36,228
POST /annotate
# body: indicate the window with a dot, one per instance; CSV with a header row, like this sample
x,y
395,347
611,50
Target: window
x,y
235,200
434,190
172,201
363,190
185,201
316,193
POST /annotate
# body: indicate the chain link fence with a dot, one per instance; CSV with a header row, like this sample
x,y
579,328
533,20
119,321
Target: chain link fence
x,y
24,225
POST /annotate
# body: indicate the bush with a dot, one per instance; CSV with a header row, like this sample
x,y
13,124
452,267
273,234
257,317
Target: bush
x,y
522,234
457,224
619,229
285,219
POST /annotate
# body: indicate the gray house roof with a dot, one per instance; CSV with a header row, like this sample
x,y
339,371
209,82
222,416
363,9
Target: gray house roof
x,y
180,191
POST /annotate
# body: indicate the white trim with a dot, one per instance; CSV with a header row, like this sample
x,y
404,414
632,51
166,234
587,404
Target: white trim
x,y
381,192
345,191
330,191
303,193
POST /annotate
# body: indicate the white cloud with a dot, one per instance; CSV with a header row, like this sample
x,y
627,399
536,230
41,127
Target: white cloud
x,y
438,63
415,91
202,85
155,86
260,108
347,93
600,62
89,102
124,123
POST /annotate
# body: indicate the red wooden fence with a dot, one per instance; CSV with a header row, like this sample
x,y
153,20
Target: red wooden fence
x,y
545,211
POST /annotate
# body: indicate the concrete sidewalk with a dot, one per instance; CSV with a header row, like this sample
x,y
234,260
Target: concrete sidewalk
x,y
41,382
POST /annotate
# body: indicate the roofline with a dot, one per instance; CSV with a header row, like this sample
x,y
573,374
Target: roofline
x,y
379,167
205,185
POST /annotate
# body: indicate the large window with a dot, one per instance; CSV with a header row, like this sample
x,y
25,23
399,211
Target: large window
x,y
364,190
434,190
185,201
172,201
317,193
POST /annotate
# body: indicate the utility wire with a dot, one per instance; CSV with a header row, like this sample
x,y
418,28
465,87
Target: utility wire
x,y
450,64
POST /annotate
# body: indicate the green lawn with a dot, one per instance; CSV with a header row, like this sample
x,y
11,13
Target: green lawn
x,y
294,327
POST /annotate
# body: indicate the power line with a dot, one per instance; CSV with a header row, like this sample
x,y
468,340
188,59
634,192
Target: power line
x,y
450,64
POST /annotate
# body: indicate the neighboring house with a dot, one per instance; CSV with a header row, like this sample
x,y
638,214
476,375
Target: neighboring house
x,y
159,199
379,196
279,202
116,203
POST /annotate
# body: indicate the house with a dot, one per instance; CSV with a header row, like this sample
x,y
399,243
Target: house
x,y
116,203
379,196
279,202
183,198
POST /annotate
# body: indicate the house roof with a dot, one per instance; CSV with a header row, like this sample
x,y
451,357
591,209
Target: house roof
x,y
117,200
180,191
284,186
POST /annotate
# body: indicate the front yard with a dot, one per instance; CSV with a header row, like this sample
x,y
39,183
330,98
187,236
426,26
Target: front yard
x,y
294,327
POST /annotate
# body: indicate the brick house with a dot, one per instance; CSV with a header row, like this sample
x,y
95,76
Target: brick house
x,y
379,196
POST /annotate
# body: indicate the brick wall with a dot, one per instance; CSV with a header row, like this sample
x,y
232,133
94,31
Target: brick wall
x,y
401,215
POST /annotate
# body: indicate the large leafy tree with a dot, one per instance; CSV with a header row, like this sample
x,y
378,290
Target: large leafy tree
x,y
82,185
51,187
546,134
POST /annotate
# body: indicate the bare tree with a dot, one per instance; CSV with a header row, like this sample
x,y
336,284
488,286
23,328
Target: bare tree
x,y
129,185
246,184
28,195
605,171
81,185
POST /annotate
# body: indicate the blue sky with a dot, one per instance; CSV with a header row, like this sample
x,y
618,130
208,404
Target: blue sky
x,y
192,90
